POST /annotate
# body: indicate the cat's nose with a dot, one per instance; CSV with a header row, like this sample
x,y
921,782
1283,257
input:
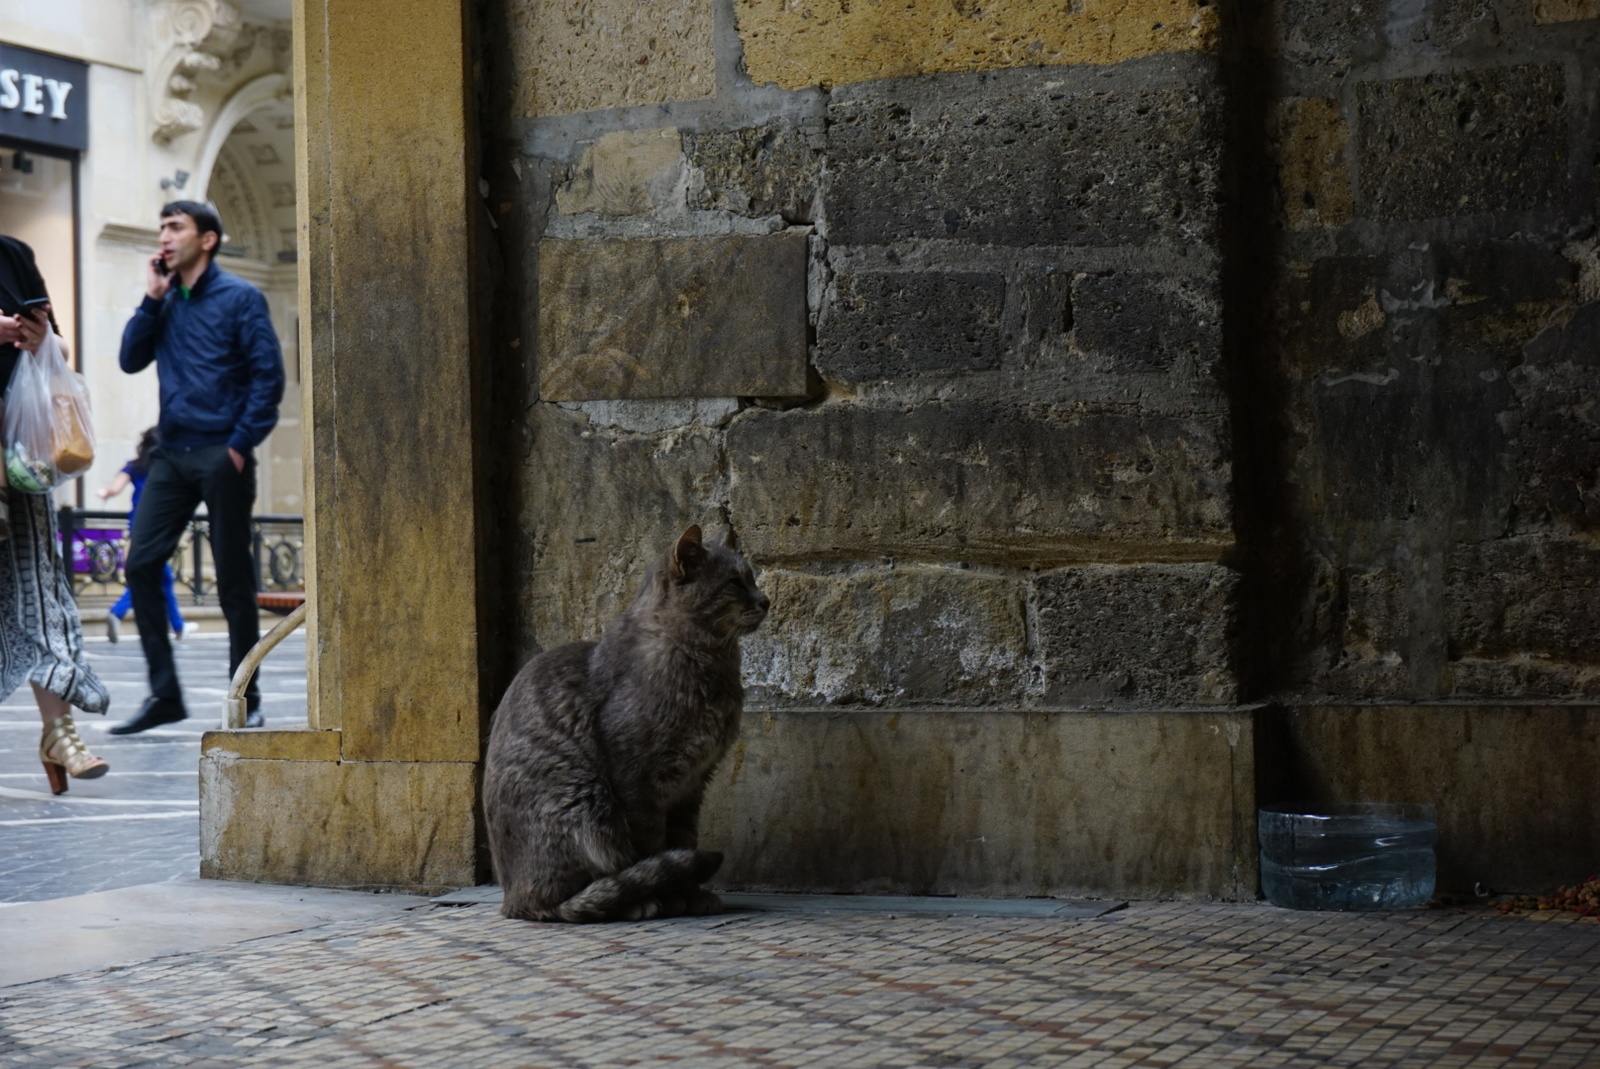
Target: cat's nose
x,y
763,602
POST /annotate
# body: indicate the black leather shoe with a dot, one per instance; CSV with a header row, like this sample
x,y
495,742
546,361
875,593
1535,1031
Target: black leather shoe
x,y
154,713
254,719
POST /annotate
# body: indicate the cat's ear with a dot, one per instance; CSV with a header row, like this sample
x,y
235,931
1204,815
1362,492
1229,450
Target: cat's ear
x,y
688,554
729,538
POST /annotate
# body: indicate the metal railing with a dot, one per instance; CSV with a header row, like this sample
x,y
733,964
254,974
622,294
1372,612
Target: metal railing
x,y
95,543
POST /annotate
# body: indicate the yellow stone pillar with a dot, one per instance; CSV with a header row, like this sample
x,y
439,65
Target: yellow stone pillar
x,y
379,789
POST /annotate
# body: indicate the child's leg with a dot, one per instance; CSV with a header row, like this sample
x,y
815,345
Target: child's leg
x,y
124,603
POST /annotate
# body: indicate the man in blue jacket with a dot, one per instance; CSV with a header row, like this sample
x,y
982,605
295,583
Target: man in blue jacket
x,y
221,373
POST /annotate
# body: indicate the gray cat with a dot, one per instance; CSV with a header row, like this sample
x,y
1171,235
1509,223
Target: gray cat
x,y
600,752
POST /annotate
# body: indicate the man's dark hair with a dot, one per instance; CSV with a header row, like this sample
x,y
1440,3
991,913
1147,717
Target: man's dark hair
x,y
204,216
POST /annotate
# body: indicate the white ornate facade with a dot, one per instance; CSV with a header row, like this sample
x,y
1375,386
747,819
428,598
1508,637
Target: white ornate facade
x,y
186,98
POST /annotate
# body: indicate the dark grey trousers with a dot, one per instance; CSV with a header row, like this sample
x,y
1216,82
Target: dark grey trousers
x,y
179,481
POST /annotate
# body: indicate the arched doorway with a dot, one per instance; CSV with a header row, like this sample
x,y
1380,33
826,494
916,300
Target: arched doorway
x,y
249,176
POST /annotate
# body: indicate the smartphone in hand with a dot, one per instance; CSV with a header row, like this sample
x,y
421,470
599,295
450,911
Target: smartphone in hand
x,y
160,264
33,308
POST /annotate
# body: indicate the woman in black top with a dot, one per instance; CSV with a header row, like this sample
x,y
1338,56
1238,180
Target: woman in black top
x,y
41,637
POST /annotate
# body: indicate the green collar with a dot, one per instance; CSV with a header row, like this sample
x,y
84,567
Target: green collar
x,y
184,291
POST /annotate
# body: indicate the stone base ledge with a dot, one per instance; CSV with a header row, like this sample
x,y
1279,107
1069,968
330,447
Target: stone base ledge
x,y
390,825
1126,803
273,744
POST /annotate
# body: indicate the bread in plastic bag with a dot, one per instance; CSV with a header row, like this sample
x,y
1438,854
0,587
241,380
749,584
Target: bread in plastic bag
x,y
49,433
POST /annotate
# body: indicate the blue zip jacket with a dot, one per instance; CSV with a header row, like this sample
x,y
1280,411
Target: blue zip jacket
x,y
218,360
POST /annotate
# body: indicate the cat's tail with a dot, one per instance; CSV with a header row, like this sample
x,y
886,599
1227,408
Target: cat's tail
x,y
638,890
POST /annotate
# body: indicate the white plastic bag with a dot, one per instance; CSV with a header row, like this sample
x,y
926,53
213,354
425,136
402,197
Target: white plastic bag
x,y
48,432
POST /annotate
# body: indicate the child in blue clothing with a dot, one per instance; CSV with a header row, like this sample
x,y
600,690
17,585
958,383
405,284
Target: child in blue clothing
x,y
136,471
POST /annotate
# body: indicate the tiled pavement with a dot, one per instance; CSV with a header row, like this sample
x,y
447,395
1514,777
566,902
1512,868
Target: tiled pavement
x,y
1152,985
139,823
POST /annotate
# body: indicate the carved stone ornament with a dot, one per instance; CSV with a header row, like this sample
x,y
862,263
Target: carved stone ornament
x,y
202,33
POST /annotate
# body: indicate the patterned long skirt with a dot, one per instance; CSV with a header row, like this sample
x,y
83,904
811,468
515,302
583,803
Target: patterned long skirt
x,y
41,637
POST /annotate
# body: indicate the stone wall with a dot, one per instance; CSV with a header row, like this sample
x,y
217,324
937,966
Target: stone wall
x,y
1053,362
1433,333
942,349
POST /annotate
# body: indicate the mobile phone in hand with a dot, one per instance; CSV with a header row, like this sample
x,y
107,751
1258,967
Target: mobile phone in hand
x,y
160,264
33,308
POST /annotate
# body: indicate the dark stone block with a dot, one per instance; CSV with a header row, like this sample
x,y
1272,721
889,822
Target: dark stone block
x,y
1145,633
1326,314
1048,168
673,317
979,482
759,171
1336,34
1501,293
1576,340
1409,444
889,325
1333,33
1139,322
1460,143
1556,431
1536,597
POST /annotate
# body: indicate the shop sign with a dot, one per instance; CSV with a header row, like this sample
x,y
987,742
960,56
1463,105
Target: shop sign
x,y
43,98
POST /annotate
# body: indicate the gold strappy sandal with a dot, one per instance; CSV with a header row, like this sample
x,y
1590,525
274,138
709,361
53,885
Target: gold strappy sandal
x,y
64,754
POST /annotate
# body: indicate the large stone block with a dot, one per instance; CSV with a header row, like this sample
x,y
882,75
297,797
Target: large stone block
x,y
579,55
388,825
1509,618
1385,447
672,317
1332,33
1141,322
758,171
600,505
1460,143
1041,168
1146,634
1134,804
1513,785
979,483
830,42
901,324
1536,597
1555,428
907,635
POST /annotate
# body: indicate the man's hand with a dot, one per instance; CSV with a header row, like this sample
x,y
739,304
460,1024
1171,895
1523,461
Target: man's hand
x,y
155,283
237,458
10,330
